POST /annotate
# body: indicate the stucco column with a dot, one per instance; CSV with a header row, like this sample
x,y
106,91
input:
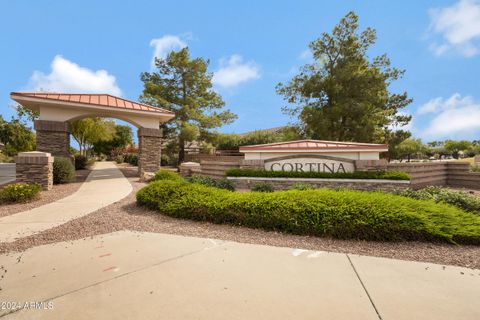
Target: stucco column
x,y
149,145
53,137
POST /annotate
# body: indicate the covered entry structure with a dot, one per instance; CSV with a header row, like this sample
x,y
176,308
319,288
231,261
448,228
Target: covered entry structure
x,y
57,110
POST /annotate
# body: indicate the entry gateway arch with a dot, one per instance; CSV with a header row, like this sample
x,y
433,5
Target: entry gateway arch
x,y
57,110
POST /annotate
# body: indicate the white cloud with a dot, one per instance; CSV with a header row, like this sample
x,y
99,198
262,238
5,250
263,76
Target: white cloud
x,y
234,71
164,45
306,55
67,76
459,25
440,104
453,117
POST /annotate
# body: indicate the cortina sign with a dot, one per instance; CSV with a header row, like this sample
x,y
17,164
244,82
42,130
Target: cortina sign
x,y
310,164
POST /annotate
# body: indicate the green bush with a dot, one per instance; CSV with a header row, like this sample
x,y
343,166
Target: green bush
x,y
225,184
210,182
322,212
203,180
389,175
5,159
119,158
80,162
166,175
459,199
263,187
302,186
19,192
164,160
475,168
63,170
131,158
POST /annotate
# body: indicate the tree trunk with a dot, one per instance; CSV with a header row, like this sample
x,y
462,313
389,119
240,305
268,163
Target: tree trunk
x,y
181,152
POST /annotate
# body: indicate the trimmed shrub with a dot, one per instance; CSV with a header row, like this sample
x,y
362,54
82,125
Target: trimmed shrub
x,y
302,186
19,192
389,175
131,158
475,168
119,158
166,175
322,212
63,170
80,162
263,187
210,182
459,199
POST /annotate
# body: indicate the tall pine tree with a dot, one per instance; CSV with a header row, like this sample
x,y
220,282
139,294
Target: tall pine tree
x,y
184,86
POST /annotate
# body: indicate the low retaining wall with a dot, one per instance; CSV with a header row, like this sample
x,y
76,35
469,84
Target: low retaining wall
x,y
451,173
445,173
246,183
424,173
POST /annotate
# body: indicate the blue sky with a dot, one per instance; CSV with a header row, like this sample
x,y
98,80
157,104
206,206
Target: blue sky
x,y
103,46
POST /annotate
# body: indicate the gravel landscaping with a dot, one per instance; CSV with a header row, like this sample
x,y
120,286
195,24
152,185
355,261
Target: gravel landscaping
x,y
126,215
58,192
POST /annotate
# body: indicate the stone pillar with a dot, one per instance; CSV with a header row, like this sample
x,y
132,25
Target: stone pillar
x,y
149,151
53,137
35,167
188,169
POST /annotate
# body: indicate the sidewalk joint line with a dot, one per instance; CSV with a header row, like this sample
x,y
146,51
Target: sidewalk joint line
x,y
364,288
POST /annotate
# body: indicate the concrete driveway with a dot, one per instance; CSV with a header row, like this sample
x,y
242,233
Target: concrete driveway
x,y
129,275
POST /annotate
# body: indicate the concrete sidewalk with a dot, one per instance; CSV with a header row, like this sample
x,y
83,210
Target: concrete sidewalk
x,y
128,275
104,185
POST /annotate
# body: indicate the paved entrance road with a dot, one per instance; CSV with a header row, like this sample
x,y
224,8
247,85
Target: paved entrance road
x,y
128,275
104,185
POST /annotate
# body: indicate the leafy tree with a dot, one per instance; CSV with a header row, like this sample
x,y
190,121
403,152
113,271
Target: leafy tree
x,y
455,147
394,138
92,130
16,136
122,138
25,113
344,96
409,148
183,85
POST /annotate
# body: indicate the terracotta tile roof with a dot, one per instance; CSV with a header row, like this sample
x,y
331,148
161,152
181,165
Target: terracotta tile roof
x,y
313,145
105,100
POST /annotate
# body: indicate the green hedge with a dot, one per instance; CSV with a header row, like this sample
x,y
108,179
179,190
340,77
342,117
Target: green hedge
x,y
19,192
323,212
389,175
